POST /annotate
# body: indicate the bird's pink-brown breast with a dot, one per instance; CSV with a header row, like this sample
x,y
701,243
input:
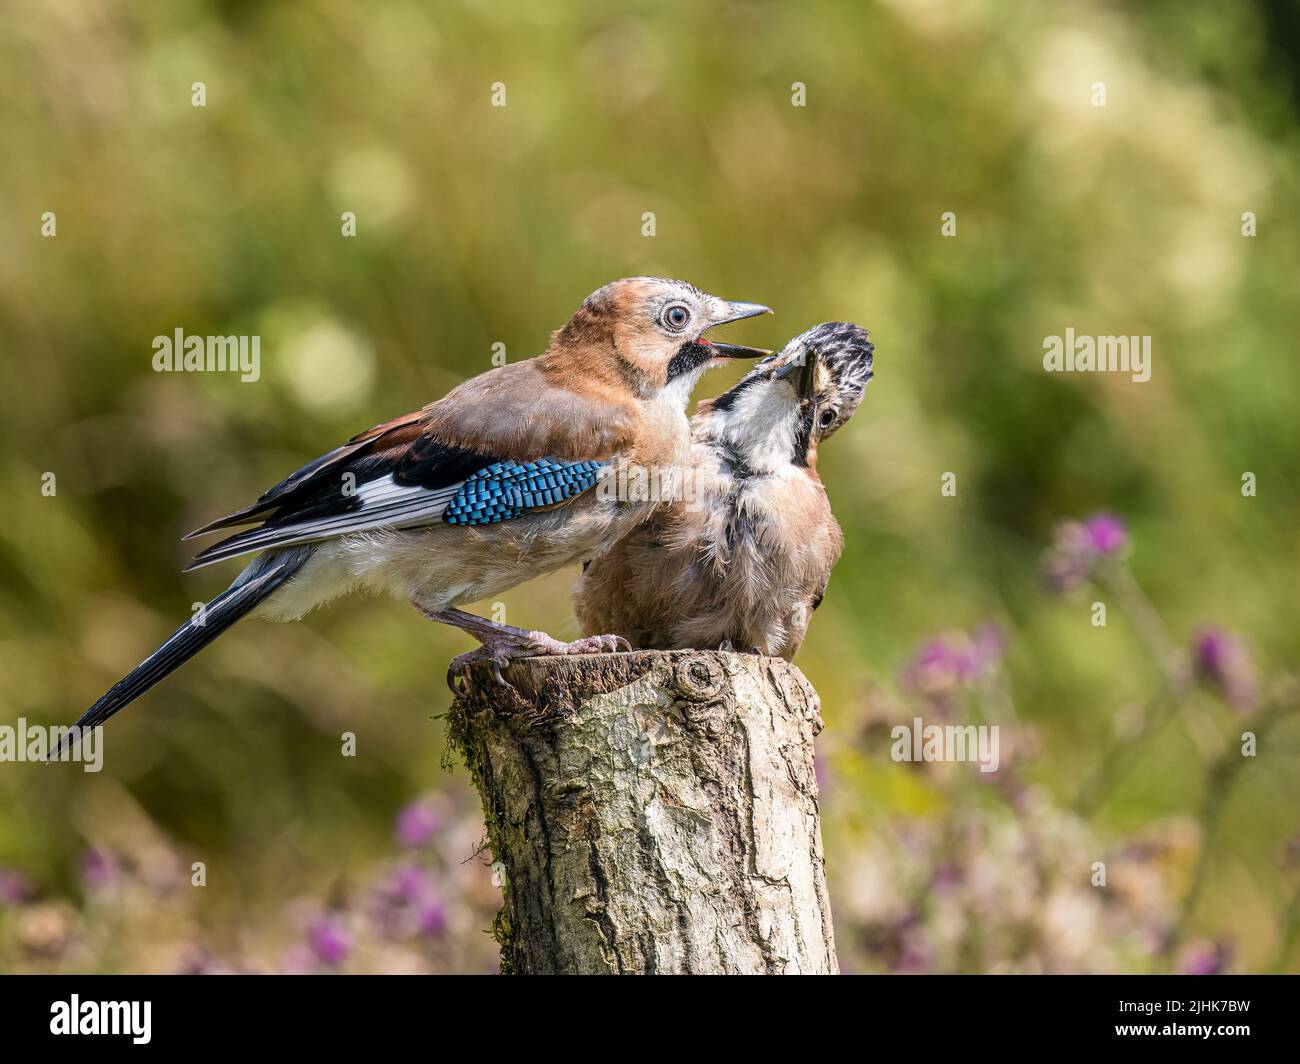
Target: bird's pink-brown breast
x,y
746,563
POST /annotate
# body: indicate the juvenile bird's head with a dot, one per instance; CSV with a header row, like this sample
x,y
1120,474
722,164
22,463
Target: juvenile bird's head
x,y
778,412
646,333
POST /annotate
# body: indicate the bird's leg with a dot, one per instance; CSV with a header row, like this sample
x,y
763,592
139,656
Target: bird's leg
x,y
502,643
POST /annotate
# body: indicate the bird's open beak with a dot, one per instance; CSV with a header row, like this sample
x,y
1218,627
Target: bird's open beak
x,y
729,312
807,368
735,350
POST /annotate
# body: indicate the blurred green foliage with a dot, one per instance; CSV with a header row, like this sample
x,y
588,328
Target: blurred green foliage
x,y
478,225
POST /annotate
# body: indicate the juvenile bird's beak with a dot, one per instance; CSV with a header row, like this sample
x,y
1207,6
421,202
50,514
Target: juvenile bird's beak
x,y
807,373
808,378
726,312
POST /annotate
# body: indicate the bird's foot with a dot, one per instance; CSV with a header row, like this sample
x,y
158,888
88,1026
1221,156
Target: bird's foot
x,y
501,648
728,647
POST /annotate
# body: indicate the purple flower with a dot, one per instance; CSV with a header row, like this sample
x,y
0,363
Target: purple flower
x,y
1106,534
1223,663
1205,958
15,888
329,940
935,655
417,823
951,661
938,666
410,883
1078,547
433,919
100,869
399,902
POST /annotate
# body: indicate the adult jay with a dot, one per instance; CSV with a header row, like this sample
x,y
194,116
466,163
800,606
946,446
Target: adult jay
x,y
481,490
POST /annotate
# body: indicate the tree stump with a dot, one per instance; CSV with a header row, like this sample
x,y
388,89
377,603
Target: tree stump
x,y
653,812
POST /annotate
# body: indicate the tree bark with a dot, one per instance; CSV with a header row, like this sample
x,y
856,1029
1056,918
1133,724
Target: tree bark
x,y
653,812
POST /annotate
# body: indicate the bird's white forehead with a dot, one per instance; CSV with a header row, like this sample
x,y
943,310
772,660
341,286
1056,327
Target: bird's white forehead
x,y
668,286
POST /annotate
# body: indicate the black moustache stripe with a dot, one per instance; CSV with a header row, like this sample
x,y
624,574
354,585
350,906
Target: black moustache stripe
x,y
691,356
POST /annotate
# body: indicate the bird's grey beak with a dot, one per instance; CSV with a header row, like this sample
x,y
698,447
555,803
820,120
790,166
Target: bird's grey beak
x,y
728,312
738,311
807,368
808,379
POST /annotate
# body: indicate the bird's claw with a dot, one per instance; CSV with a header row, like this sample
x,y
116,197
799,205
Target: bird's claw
x,y
462,664
499,652
457,672
595,644
498,662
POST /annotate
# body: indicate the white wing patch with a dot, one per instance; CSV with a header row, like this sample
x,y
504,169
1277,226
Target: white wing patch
x,y
384,504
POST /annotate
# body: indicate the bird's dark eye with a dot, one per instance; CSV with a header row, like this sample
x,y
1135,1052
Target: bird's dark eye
x,y
827,416
676,316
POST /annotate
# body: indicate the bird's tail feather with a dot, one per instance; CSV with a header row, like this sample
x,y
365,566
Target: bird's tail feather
x,y
251,587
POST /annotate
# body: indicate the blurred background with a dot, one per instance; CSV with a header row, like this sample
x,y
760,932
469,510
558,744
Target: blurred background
x,y
478,225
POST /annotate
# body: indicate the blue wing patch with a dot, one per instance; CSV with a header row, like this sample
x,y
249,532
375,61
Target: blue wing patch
x,y
505,490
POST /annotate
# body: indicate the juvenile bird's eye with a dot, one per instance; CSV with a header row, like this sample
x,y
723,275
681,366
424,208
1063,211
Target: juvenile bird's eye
x,y
676,316
827,416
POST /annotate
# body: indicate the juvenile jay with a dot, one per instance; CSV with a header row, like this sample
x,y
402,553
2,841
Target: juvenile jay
x,y
742,559
484,489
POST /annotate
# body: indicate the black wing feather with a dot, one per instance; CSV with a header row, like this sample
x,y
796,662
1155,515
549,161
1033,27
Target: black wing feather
x,y
423,463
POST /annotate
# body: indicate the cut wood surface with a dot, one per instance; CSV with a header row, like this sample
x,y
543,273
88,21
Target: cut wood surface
x,y
652,812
